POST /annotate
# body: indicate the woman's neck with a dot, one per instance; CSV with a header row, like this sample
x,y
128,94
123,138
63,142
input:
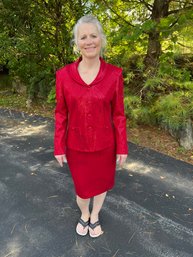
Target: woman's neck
x,y
87,63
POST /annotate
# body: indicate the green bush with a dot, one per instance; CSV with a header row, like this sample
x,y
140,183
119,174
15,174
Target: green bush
x,y
52,96
174,110
165,98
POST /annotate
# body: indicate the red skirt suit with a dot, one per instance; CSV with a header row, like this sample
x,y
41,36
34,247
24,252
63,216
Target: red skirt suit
x,y
90,126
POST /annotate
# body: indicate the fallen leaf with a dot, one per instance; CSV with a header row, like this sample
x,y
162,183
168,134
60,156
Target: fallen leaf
x,y
33,174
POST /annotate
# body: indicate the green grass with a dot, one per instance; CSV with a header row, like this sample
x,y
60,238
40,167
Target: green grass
x,y
11,100
18,102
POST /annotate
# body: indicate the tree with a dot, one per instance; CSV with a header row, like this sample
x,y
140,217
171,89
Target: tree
x,y
36,40
159,10
146,39
149,20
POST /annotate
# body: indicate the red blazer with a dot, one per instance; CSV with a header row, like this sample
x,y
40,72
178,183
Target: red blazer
x,y
89,117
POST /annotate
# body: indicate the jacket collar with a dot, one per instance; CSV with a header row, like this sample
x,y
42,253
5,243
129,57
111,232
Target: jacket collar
x,y
76,76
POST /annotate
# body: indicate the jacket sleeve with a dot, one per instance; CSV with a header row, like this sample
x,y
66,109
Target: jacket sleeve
x,y
119,119
61,119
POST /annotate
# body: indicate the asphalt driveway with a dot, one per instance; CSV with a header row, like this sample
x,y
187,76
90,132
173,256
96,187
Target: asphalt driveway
x,y
149,213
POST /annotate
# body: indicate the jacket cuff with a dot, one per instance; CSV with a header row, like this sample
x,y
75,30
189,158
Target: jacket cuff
x,y
59,151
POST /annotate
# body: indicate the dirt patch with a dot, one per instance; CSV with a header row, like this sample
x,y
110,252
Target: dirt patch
x,y
159,140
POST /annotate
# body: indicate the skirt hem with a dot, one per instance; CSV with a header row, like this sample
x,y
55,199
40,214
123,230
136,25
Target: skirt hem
x,y
98,193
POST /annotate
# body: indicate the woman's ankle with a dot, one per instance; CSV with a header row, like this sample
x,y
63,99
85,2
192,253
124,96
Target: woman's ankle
x,y
94,217
85,216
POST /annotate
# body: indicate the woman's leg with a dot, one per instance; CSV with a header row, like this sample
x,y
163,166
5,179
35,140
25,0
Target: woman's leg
x,y
94,217
83,205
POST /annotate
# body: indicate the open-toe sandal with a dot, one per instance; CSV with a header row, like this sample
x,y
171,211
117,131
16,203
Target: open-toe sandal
x,y
92,226
84,225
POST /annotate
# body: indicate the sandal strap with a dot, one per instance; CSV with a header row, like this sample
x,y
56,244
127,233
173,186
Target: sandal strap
x,y
94,225
83,223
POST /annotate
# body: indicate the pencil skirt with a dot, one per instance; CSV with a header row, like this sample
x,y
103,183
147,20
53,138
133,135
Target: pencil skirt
x,y
93,173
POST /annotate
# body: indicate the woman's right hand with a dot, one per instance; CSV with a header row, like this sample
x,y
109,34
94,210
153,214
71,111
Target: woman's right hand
x,y
61,159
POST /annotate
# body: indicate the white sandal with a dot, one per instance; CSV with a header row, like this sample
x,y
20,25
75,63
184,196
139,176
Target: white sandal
x,y
84,224
93,226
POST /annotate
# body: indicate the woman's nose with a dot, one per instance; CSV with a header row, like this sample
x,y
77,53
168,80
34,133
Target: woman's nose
x,y
88,41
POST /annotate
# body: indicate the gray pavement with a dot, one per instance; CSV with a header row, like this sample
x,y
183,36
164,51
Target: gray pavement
x,y
149,213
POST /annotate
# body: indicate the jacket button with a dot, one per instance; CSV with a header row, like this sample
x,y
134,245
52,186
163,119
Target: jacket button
x,y
89,114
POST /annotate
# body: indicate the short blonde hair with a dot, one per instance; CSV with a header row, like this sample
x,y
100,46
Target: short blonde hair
x,y
89,19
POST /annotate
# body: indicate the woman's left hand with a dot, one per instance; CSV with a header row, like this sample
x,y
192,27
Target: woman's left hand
x,y
121,159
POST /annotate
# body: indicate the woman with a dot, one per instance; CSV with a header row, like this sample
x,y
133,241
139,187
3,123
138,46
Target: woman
x,y
90,125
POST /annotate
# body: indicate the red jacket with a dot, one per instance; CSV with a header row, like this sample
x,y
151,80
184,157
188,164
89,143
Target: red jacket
x,y
89,117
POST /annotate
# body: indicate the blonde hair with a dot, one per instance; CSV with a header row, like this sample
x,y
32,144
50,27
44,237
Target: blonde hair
x,y
88,19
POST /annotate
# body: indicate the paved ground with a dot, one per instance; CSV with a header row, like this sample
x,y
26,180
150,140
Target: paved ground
x,y
149,213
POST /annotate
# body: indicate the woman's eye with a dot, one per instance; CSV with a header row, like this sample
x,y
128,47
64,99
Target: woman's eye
x,y
91,36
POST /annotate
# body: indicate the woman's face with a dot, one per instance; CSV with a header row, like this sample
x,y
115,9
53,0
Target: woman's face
x,y
89,40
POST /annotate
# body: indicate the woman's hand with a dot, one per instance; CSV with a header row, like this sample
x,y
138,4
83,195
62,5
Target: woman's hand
x,y
121,159
61,159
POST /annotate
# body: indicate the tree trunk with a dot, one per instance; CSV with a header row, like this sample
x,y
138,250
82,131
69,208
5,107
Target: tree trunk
x,y
159,10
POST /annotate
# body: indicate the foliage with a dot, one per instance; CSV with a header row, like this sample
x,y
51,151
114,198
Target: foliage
x,y
52,96
165,98
36,40
174,109
150,39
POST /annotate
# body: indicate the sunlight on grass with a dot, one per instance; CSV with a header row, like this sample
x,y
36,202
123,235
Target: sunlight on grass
x,y
12,100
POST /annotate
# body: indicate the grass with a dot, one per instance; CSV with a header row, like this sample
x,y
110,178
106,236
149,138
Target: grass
x,y
12,100
18,103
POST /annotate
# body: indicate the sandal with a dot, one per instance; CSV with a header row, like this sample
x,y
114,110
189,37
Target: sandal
x,y
84,224
93,226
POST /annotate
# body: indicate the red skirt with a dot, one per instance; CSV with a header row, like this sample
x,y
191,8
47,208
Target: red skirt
x,y
93,173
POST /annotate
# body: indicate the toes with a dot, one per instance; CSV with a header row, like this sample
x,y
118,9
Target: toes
x,y
81,230
96,232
